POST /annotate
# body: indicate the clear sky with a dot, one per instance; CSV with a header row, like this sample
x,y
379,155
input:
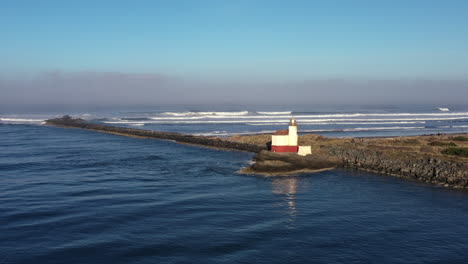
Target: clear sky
x,y
285,41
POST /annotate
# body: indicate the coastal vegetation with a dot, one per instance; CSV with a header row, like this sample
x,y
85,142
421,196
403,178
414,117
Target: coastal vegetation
x,y
442,144
461,152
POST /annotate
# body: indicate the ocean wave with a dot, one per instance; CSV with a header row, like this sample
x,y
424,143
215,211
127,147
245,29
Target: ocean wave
x,y
281,121
357,129
453,126
19,120
342,123
223,115
275,113
225,133
382,128
135,118
380,119
241,113
401,128
385,115
287,114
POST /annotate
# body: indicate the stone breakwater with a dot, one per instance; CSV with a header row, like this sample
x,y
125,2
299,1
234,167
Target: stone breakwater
x,y
132,132
409,158
424,168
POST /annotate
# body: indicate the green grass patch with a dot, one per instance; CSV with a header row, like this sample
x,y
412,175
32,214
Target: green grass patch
x,y
460,138
442,144
461,152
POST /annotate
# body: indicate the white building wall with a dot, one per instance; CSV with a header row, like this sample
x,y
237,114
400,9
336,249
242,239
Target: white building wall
x,y
280,140
304,150
293,136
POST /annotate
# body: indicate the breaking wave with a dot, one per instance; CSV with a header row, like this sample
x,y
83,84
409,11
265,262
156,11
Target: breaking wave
x,y
342,123
225,123
228,134
275,113
305,118
282,121
21,120
241,113
355,129
246,114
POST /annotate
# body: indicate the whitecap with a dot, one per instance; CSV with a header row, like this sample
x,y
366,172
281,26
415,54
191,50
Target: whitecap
x,y
275,113
21,120
241,113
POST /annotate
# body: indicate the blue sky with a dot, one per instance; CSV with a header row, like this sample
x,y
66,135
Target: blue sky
x,y
277,39
233,51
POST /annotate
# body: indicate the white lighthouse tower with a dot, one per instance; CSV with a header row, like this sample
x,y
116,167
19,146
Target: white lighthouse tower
x,y
292,129
285,140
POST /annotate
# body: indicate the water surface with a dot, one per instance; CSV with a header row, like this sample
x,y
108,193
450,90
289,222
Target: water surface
x,y
76,196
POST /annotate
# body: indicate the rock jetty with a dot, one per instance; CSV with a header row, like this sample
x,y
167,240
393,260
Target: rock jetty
x,y
421,158
68,122
424,168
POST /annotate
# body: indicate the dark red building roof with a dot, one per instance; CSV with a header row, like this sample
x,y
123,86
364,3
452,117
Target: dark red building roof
x,y
281,132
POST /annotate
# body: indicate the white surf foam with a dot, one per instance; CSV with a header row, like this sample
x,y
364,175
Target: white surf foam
x,y
381,128
357,129
21,120
275,113
282,121
228,134
342,123
241,113
223,115
380,120
463,126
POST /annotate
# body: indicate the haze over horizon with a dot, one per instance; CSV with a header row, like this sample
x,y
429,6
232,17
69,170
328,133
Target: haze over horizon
x,y
122,52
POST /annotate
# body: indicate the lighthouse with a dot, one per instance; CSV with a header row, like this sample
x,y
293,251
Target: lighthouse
x,y
285,140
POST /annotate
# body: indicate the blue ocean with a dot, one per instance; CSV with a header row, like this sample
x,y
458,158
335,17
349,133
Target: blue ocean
x,y
77,196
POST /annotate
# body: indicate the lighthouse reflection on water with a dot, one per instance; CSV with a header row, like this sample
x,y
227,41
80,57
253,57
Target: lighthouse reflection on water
x,y
288,187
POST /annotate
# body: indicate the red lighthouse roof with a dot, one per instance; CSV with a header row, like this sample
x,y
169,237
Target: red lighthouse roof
x,y
281,132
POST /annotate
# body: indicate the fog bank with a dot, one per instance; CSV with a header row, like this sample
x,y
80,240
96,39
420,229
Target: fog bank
x,y
95,88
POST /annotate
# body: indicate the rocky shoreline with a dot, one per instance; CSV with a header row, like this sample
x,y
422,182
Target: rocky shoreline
x,y
423,168
273,163
418,158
